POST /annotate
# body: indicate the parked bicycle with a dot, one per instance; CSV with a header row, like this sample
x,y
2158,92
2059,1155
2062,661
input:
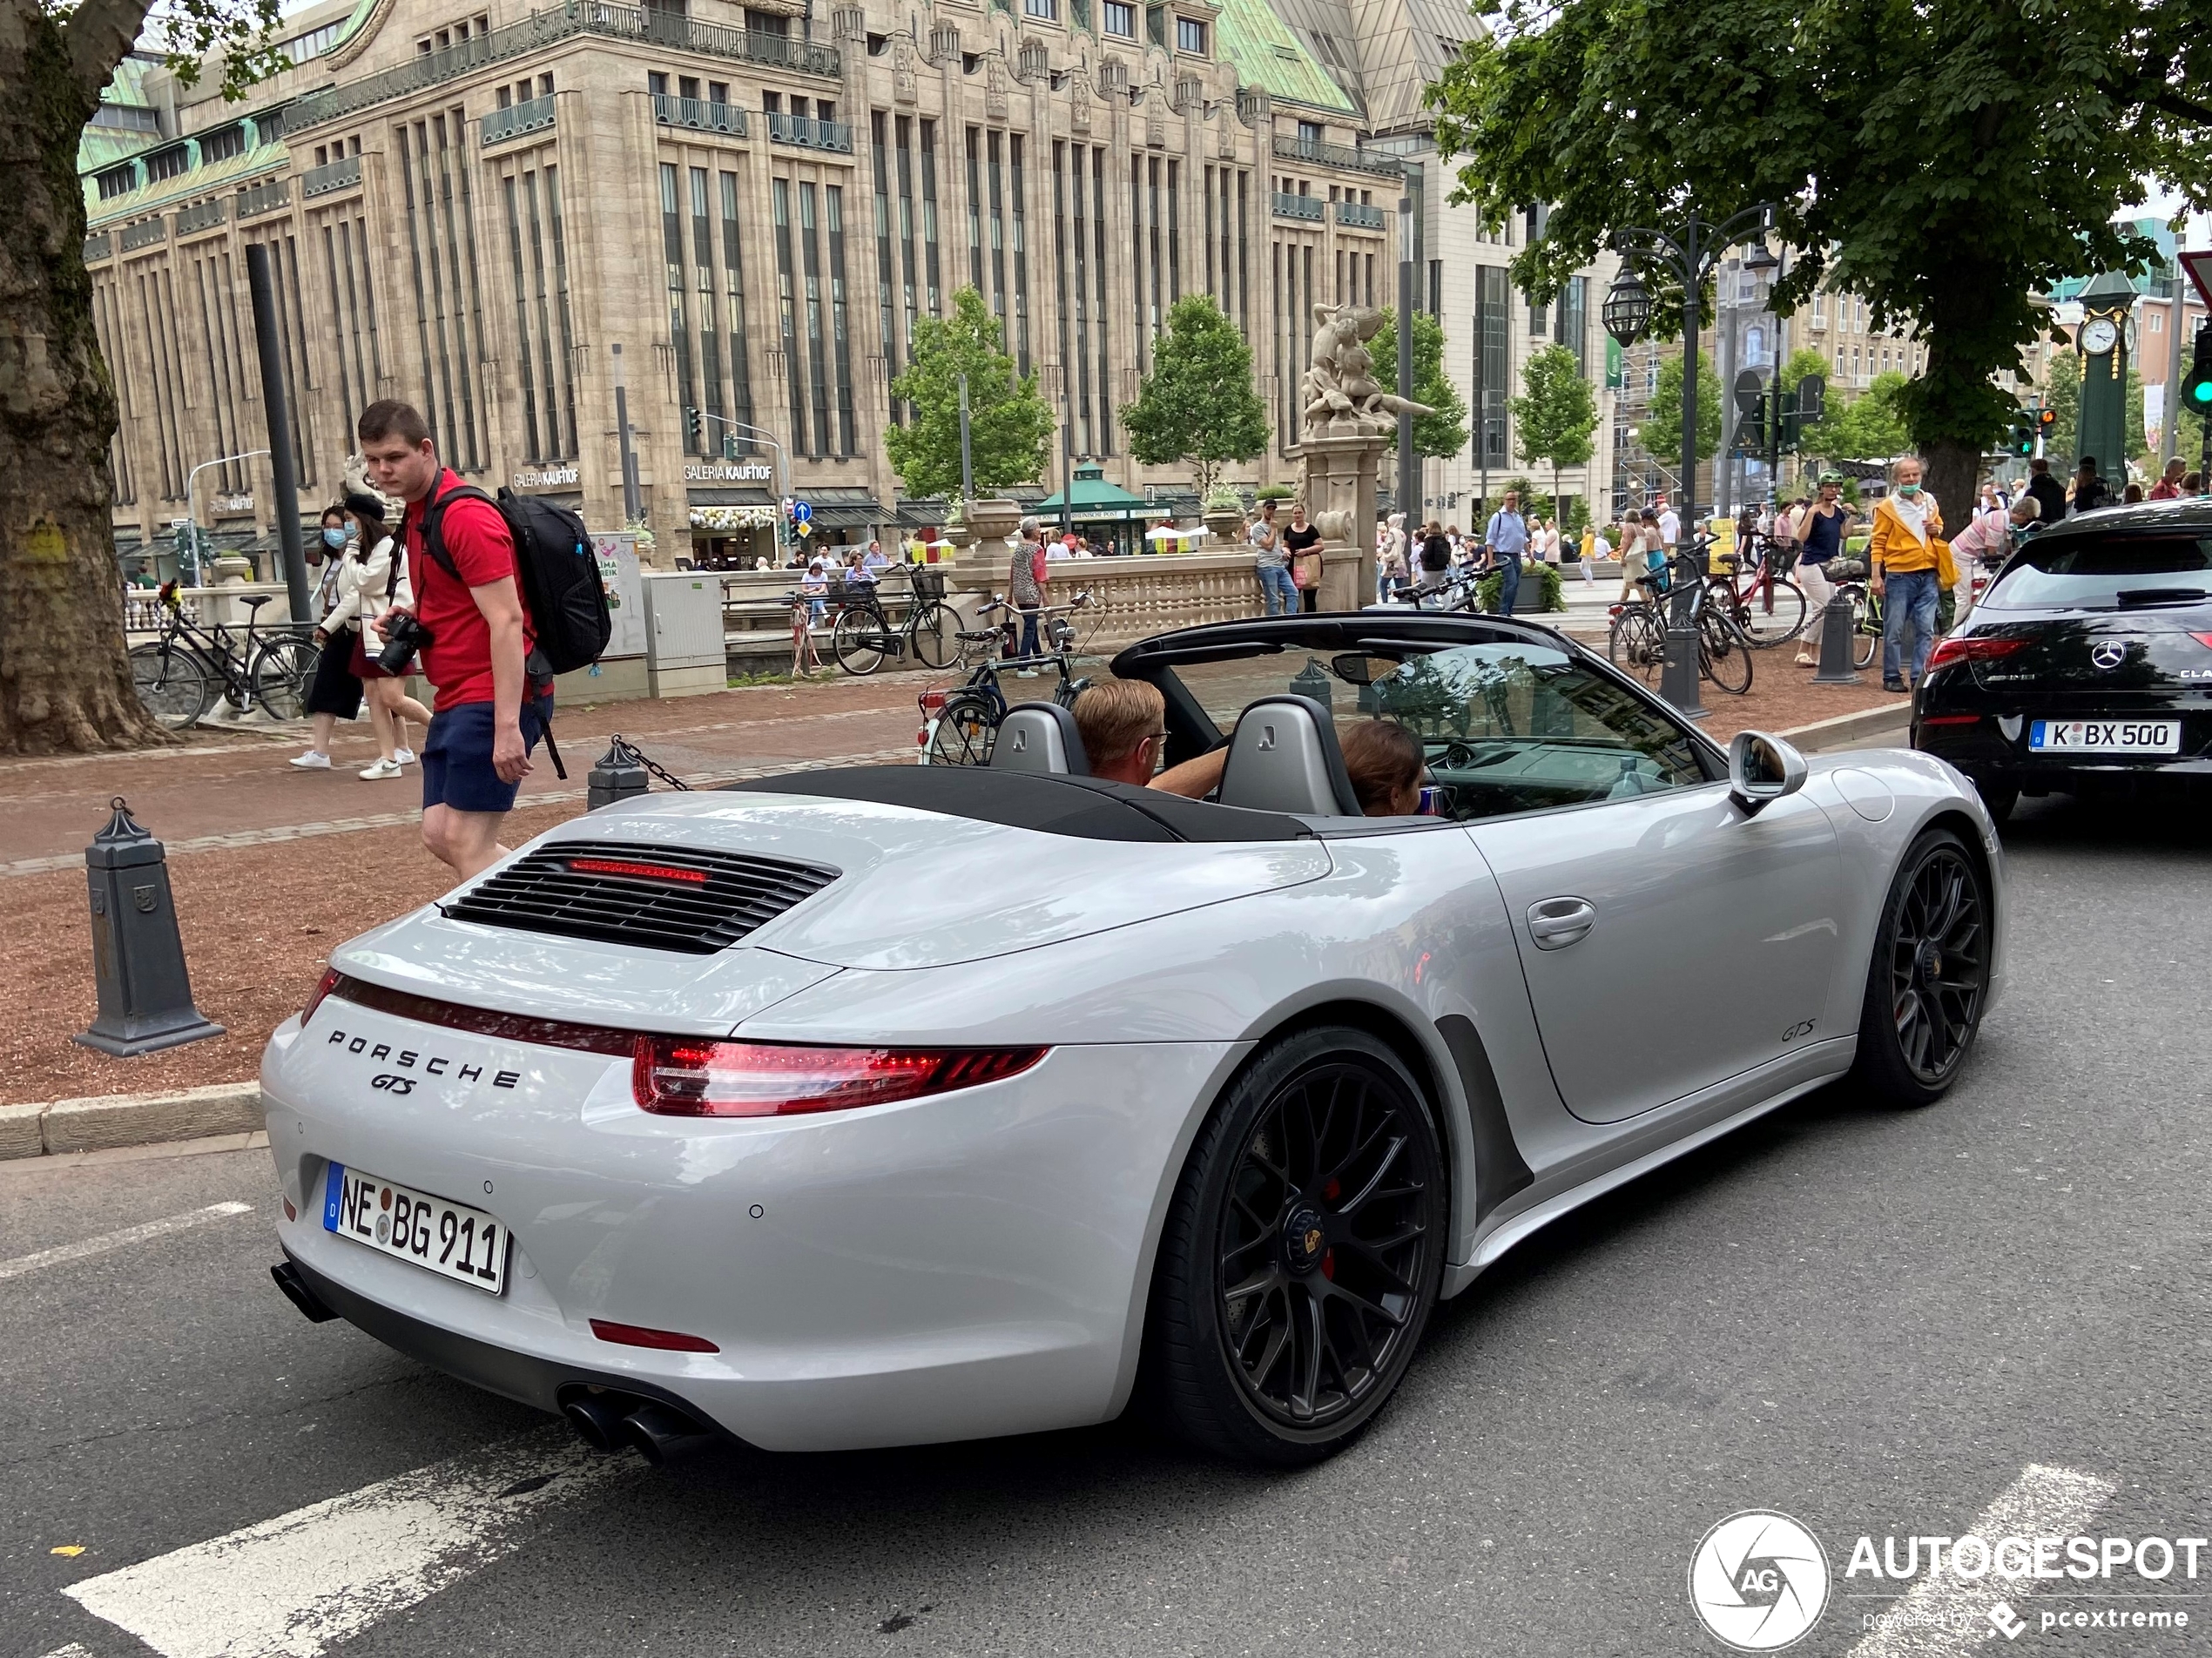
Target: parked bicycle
x,y
863,635
1766,606
179,675
1636,642
960,726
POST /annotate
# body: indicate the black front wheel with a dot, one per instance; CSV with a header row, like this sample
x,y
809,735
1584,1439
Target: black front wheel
x,y
860,641
963,734
1301,1255
1723,655
1929,971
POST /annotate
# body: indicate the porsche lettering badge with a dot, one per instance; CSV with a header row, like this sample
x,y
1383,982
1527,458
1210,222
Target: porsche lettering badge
x,y
410,1059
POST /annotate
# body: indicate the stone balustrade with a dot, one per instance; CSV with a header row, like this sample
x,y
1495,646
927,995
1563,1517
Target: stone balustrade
x,y
1137,596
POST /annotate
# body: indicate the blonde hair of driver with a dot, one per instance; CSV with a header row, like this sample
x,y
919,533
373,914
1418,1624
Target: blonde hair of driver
x,y
1115,715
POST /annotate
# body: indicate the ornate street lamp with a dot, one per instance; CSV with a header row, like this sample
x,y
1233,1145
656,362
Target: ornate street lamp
x,y
1626,310
1689,259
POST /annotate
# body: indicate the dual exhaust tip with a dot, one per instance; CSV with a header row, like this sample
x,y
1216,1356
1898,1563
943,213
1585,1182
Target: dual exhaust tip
x,y
658,1432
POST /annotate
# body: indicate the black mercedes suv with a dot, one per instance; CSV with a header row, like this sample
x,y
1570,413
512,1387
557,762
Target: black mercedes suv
x,y
2087,664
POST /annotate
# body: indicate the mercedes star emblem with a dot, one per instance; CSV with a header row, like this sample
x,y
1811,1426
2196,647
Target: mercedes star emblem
x,y
2107,653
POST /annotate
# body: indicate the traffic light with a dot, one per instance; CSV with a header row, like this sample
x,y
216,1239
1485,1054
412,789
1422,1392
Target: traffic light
x,y
1812,399
694,423
2021,437
2196,385
2047,426
729,446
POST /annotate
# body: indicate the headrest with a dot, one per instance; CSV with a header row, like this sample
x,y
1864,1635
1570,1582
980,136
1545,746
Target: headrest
x,y
1283,756
1040,737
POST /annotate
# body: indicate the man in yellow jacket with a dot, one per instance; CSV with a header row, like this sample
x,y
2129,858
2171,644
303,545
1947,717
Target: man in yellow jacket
x,y
1909,563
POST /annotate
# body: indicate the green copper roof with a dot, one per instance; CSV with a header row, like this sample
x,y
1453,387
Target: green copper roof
x,y
1266,54
195,181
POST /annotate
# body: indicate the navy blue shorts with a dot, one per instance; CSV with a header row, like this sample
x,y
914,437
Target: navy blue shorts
x,y
456,757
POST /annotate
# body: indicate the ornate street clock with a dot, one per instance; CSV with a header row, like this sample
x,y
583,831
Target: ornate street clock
x,y
2102,341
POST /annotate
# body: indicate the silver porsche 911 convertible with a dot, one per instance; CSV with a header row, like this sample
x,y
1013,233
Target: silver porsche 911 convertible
x,y
902,1104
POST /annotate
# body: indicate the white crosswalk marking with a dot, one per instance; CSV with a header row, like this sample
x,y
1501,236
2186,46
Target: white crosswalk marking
x,y
1947,1613
295,1585
107,1241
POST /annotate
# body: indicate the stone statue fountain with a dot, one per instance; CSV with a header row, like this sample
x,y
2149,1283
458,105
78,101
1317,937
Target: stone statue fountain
x,y
1348,421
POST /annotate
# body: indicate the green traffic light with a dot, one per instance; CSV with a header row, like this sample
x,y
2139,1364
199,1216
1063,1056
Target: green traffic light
x,y
2202,392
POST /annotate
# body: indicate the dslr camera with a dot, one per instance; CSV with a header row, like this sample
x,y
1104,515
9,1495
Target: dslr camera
x,y
404,637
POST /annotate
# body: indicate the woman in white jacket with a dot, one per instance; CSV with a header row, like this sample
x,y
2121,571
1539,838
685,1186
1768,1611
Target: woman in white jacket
x,y
373,580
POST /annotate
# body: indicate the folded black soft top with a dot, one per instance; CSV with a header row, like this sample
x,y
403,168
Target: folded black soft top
x,y
1086,808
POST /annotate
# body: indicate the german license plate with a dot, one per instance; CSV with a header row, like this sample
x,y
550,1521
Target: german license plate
x,y
449,1240
2106,736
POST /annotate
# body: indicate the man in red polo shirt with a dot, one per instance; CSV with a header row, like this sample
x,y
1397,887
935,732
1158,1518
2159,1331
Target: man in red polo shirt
x,y
489,714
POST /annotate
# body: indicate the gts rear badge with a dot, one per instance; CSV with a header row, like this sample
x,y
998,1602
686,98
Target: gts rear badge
x,y
1802,1028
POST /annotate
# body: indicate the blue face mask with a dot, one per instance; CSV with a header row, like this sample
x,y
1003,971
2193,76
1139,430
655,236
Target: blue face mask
x,y
334,537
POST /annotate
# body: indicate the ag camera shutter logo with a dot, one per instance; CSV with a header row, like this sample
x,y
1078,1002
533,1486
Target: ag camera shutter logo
x,y
1758,1582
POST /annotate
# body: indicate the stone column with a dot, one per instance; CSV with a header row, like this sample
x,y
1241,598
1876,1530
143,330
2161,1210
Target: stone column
x,y
1339,489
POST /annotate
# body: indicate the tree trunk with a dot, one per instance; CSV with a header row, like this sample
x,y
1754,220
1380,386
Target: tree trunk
x,y
64,682
1953,471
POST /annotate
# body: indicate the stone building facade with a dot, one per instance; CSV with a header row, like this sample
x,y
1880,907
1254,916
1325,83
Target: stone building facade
x,y
473,209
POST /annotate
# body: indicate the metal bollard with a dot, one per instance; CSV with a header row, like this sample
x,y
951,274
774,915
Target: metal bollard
x,y
620,775
137,954
1679,674
1836,635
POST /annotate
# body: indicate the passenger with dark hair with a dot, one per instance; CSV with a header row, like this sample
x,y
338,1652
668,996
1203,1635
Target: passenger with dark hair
x,y
1386,764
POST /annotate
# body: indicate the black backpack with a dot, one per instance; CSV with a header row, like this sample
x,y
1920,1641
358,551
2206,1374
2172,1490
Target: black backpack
x,y
555,569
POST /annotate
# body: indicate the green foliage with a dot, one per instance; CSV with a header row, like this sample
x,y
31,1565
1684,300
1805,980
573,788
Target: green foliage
x,y
1804,362
1009,425
1661,433
1539,589
1198,404
1558,414
1578,518
1946,161
1870,427
1273,492
1445,431
1221,499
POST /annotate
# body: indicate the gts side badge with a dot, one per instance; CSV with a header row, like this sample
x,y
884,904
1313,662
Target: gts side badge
x,y
1799,1031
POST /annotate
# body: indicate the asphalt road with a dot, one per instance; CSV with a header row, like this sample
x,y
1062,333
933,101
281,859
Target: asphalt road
x,y
1877,1323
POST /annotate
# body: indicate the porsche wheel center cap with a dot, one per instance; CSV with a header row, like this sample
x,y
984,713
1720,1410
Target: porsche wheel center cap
x,y
1304,1239
1931,963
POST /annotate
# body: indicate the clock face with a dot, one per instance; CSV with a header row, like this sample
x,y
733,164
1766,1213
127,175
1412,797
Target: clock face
x,y
2098,336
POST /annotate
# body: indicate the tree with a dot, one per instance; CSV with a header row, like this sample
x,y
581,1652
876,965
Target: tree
x,y
1445,431
1870,427
1198,404
1946,161
1558,414
1660,432
64,684
1009,425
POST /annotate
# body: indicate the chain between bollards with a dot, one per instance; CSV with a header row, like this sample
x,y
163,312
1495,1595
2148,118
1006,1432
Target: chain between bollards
x,y
623,773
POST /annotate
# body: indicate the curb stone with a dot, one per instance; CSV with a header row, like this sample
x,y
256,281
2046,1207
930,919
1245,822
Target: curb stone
x,y
100,1123
104,1121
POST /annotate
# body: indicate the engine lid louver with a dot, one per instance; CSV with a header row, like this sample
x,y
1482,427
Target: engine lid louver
x,y
662,898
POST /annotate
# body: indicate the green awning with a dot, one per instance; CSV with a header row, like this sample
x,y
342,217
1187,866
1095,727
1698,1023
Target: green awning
x,y
1090,496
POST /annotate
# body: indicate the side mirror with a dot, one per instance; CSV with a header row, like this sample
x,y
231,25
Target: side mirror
x,y
1761,768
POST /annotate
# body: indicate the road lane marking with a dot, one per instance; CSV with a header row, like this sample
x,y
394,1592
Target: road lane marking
x,y
1940,1616
129,1235
297,1585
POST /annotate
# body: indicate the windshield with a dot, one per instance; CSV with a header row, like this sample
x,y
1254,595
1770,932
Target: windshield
x,y
2105,572
1505,727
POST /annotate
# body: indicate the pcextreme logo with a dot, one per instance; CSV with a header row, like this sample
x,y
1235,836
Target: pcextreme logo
x,y
1758,1580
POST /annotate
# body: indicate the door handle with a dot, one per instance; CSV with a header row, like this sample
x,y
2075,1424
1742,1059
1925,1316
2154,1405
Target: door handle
x,y
1555,923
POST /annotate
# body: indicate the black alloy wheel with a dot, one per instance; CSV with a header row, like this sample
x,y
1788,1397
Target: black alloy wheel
x,y
1931,967
1302,1253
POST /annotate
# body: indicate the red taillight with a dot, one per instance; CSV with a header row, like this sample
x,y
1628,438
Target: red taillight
x,y
684,1076
1973,649
2204,639
630,870
1952,719
330,977
669,1341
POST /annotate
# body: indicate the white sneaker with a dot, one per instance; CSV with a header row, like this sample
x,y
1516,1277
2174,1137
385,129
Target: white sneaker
x,y
380,772
403,756
314,760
